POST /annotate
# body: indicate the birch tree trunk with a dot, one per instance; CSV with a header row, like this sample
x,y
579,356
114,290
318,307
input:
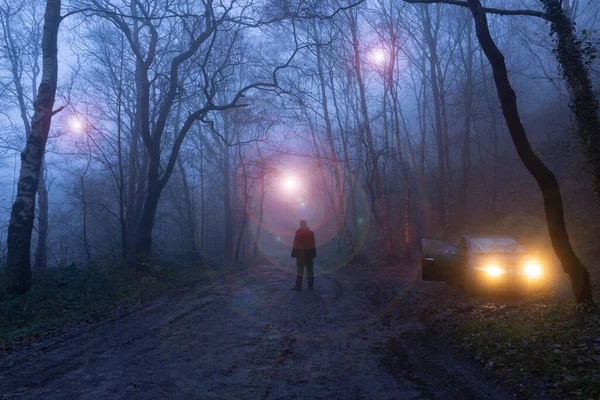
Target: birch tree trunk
x,y
23,209
14,56
40,258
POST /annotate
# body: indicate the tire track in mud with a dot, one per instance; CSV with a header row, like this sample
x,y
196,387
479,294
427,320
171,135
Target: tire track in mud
x,y
248,336
414,354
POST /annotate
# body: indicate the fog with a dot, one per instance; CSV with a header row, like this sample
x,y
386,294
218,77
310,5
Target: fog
x,y
385,114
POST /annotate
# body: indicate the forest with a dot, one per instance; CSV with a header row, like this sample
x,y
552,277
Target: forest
x,y
136,132
174,125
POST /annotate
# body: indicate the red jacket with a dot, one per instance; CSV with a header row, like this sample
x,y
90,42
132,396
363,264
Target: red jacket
x,y
304,242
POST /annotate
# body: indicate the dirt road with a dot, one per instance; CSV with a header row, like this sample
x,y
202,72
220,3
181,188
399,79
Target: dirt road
x,y
248,336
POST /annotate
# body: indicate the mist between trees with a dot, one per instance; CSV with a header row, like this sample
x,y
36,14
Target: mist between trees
x,y
176,122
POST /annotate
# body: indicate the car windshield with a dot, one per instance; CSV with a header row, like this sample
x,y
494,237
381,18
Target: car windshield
x,y
494,245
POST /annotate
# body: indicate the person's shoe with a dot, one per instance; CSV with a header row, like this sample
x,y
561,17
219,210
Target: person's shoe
x,y
297,289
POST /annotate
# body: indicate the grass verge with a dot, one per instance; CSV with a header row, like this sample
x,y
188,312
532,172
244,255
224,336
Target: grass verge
x,y
75,294
544,350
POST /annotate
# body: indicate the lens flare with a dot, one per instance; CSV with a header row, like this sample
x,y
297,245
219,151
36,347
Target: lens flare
x,y
290,184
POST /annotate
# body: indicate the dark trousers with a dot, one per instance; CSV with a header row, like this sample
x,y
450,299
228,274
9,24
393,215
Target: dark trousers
x,y
307,262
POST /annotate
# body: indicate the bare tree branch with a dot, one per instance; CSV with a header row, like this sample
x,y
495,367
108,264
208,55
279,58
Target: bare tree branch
x,y
498,11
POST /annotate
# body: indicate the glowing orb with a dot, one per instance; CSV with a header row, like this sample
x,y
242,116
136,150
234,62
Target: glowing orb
x,y
378,56
76,124
290,184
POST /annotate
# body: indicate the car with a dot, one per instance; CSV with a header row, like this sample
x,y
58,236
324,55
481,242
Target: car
x,y
482,264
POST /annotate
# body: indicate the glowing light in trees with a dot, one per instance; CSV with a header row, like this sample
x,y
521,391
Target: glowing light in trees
x,y
290,184
76,124
378,56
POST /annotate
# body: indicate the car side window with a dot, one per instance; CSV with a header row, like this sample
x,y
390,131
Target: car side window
x,y
433,247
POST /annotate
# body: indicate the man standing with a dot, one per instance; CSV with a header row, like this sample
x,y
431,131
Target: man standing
x,y
304,251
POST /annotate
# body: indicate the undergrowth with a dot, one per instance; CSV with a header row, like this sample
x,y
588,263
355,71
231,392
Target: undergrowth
x,y
78,294
547,346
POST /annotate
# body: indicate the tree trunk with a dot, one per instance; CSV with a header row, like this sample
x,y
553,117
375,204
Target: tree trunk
x,y
493,184
441,126
466,145
139,198
395,124
340,208
244,206
261,210
202,199
121,181
420,166
84,211
546,180
40,258
23,209
320,167
407,223
349,180
228,218
133,189
143,236
379,206
190,223
135,177
15,61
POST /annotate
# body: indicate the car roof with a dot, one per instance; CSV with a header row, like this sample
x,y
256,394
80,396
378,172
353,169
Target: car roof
x,y
471,237
493,244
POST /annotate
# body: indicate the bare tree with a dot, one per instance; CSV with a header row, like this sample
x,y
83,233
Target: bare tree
x,y
547,182
379,208
570,57
202,29
22,51
23,210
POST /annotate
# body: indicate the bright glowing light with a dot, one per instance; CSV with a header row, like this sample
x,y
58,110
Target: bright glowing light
x,y
290,184
76,124
378,56
533,269
494,271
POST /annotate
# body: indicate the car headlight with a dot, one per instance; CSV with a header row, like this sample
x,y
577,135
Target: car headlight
x,y
494,270
533,269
